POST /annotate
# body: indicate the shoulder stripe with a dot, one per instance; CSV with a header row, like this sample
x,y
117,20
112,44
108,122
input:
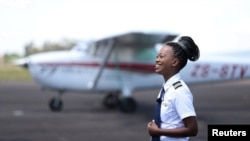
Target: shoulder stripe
x,y
177,84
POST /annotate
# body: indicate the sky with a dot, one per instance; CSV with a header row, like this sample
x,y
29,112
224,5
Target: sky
x,y
215,25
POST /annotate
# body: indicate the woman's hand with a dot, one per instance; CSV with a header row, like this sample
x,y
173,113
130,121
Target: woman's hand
x,y
152,128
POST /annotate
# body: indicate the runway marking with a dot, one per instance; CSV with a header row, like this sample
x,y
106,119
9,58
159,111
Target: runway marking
x,y
18,113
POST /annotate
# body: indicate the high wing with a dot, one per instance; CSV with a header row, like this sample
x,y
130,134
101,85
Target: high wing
x,y
137,39
128,44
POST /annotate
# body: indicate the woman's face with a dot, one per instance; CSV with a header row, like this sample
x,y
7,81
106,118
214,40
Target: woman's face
x,y
165,60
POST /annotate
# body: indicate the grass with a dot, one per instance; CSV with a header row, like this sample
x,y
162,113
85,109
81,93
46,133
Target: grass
x,y
10,72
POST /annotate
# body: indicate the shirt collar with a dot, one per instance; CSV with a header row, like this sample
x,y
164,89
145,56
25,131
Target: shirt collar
x,y
171,80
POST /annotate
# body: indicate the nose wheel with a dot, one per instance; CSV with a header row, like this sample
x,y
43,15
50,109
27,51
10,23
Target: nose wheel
x,y
55,104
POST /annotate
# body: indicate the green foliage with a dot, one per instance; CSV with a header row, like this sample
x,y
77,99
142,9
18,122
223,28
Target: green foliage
x,y
8,58
31,48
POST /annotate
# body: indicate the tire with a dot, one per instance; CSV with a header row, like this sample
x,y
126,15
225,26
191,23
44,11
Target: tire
x,y
111,101
128,105
55,104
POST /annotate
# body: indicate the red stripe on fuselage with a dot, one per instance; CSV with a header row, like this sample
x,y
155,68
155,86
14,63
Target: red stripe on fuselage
x,y
123,66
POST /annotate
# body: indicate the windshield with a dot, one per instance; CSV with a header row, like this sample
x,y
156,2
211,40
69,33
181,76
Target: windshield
x,y
81,46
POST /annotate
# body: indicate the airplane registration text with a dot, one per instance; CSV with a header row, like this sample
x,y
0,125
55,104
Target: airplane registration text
x,y
223,71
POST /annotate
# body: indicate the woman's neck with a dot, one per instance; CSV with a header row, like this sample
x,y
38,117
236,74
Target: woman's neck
x,y
169,75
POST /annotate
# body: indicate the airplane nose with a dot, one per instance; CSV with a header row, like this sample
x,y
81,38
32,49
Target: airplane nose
x,y
22,63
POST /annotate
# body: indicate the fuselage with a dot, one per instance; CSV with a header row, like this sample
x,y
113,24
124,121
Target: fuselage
x,y
70,70
76,70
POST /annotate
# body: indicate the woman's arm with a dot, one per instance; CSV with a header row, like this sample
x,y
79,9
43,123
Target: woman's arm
x,y
190,129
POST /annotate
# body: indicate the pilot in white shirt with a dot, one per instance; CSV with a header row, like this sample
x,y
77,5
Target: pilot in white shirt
x,y
175,116
176,105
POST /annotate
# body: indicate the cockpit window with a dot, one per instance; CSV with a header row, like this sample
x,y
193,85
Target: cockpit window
x,y
81,46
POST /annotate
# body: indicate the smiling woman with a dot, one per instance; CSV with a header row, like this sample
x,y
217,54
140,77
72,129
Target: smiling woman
x,y
13,73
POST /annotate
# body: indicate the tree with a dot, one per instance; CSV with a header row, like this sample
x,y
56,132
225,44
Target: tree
x,y
8,58
64,44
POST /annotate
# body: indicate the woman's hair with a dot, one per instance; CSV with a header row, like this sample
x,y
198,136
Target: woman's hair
x,y
184,49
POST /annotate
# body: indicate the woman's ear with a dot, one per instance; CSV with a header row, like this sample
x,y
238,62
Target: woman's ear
x,y
175,62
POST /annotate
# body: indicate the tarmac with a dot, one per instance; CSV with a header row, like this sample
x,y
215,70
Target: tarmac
x,y
25,115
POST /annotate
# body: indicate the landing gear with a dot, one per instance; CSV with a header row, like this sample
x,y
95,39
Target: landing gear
x,y
56,104
111,100
127,104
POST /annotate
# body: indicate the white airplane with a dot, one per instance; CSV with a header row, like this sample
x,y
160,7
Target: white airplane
x,y
120,65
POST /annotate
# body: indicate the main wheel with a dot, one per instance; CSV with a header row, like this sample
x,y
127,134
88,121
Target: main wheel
x,y
111,100
55,104
128,105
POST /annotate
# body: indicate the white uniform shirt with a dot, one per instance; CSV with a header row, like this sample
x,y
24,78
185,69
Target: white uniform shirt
x,y
176,105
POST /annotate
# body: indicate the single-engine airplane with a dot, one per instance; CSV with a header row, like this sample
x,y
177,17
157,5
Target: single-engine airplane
x,y
118,66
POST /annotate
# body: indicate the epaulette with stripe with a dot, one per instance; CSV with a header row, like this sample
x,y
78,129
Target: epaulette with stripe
x,y
177,84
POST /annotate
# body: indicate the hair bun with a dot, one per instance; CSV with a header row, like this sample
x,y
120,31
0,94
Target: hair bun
x,y
190,48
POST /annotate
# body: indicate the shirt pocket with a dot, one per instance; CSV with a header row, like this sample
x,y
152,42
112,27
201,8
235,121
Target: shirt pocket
x,y
167,110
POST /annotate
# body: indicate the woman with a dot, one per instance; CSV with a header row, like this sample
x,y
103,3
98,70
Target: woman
x,y
175,116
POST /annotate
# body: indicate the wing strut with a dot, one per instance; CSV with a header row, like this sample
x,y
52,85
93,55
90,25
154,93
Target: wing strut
x,y
110,46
